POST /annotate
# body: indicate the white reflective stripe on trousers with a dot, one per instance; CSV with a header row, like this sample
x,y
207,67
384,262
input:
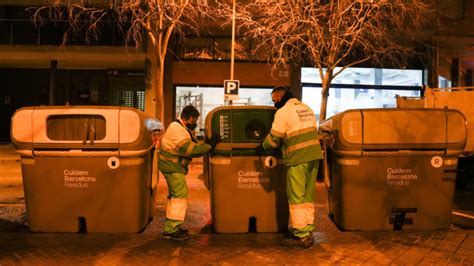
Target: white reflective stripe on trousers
x,y
309,208
176,209
298,216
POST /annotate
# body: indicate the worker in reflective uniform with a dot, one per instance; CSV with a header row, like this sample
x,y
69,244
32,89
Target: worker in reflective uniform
x,y
178,146
294,131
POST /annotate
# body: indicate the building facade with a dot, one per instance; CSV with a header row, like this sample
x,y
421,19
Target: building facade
x,y
36,69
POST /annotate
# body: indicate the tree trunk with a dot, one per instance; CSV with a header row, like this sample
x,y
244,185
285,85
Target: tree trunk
x,y
326,83
154,88
324,101
160,114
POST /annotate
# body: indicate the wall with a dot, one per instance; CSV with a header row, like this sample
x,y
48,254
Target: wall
x,y
214,73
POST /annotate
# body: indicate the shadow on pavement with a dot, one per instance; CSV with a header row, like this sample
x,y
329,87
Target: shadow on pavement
x,y
463,208
7,226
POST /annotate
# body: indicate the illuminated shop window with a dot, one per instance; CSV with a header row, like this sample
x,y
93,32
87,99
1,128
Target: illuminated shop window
x,y
443,82
358,88
207,98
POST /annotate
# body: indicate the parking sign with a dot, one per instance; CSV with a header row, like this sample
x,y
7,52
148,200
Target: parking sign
x,y
231,89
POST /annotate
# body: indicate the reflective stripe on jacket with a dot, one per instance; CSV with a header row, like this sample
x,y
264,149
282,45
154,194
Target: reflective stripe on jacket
x,y
294,131
178,147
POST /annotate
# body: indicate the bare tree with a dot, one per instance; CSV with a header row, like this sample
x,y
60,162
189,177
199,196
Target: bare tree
x,y
335,33
150,22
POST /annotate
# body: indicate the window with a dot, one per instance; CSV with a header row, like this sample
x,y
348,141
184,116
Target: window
x,y
128,98
353,98
126,88
356,88
367,76
207,98
443,82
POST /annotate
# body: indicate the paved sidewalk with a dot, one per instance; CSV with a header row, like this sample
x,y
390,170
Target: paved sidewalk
x,y
20,247
351,247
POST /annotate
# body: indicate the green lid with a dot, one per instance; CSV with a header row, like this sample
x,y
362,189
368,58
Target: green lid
x,y
242,128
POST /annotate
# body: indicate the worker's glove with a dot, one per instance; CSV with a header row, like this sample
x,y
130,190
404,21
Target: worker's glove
x,y
214,140
259,149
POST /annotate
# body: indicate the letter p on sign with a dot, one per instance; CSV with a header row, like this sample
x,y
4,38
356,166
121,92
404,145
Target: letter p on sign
x,y
231,89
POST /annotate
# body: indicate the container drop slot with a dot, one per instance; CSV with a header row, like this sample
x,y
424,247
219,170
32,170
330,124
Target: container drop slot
x,y
76,127
255,129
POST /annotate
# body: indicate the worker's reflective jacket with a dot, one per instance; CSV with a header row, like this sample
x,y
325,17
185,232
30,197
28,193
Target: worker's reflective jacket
x,y
294,130
178,147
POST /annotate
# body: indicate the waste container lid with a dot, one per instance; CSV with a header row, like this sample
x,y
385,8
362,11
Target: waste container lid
x,y
382,129
80,127
240,127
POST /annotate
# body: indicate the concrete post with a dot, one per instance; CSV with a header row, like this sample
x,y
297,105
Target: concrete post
x,y
455,73
52,81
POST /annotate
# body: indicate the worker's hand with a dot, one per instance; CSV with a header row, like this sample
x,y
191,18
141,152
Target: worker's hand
x,y
156,136
259,149
214,140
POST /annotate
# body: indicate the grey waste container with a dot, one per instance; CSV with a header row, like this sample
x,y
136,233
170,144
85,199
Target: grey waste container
x,y
85,168
392,168
247,190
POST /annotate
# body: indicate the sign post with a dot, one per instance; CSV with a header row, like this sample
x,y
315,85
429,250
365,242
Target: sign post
x,y
231,87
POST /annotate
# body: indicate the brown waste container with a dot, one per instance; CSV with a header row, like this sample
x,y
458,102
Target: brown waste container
x,y
85,168
392,168
248,190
